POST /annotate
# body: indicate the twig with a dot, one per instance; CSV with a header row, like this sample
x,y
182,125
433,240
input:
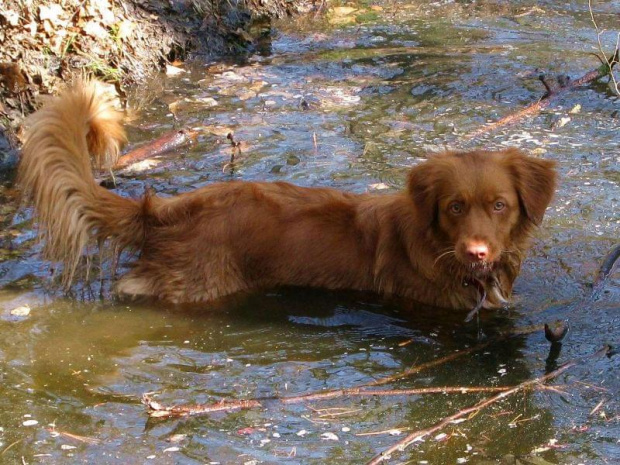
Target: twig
x,y
10,445
236,149
614,58
545,101
363,392
596,409
392,431
420,434
77,437
159,411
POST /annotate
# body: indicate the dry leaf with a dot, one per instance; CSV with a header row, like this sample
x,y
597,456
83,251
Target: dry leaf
x,y
173,70
10,17
94,29
125,29
51,13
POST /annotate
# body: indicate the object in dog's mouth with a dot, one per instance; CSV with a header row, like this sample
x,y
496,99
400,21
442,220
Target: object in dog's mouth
x,y
482,295
463,217
489,294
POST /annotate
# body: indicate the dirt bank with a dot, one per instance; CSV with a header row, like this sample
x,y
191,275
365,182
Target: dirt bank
x,y
43,43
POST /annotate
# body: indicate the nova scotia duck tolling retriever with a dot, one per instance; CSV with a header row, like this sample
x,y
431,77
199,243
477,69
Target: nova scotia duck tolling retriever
x,y
459,229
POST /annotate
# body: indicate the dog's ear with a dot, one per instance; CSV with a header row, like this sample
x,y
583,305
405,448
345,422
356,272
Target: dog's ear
x,y
422,187
535,180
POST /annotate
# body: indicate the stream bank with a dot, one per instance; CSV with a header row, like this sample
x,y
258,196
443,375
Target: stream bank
x,y
44,43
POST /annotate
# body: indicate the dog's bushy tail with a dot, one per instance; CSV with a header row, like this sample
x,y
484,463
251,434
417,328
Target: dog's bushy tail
x,y
55,173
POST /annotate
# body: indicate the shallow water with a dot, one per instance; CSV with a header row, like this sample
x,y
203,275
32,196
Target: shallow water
x,y
351,107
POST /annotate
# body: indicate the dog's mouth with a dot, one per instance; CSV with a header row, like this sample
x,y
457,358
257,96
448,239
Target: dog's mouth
x,y
480,269
490,294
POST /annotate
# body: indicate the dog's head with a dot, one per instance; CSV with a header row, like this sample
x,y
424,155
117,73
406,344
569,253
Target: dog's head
x,y
482,204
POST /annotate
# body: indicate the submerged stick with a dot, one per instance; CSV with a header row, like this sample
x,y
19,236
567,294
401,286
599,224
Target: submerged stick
x,y
421,434
169,141
156,410
363,392
604,70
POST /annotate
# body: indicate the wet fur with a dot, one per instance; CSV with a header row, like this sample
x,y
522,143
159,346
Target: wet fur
x,y
239,236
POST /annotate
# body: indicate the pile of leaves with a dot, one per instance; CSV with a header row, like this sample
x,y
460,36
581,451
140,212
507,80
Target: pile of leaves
x,y
43,42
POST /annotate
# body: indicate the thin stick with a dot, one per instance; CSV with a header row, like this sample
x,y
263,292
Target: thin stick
x,y
420,434
361,392
614,58
156,410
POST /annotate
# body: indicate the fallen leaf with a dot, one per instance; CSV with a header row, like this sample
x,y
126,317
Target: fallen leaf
x,y
563,122
173,70
24,310
209,101
576,109
11,17
342,10
95,30
125,29
51,13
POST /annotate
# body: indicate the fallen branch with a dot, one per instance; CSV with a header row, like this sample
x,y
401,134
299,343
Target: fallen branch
x,y
420,434
157,410
552,92
169,141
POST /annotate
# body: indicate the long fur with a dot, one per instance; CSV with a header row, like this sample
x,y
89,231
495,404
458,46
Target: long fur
x,y
55,173
238,236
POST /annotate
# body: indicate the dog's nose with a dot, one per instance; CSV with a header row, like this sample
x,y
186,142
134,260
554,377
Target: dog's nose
x,y
477,251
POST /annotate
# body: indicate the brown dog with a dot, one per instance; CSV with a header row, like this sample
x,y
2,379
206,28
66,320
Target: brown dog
x,y
465,218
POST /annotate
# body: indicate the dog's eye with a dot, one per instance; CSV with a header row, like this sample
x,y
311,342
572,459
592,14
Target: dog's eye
x,y
499,206
456,208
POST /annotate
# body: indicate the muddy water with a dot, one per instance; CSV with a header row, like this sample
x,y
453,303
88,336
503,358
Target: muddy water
x,y
351,106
